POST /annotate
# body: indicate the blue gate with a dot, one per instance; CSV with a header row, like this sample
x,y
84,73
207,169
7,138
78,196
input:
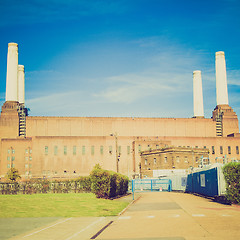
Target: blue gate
x,y
151,185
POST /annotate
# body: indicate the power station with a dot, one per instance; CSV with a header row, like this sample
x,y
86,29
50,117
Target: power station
x,y
64,147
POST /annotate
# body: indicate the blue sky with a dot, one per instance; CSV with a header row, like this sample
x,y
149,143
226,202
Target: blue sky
x,y
120,58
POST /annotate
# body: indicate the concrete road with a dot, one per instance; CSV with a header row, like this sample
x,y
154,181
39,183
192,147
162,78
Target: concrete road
x,y
175,216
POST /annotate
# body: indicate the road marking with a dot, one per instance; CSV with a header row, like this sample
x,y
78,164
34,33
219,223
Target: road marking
x,y
124,218
90,225
198,215
150,216
175,216
47,227
226,215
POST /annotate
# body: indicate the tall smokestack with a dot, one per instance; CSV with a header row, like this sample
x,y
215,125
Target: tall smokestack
x,y
12,73
197,94
221,79
21,84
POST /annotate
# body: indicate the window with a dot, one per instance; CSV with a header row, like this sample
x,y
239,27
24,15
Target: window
x,y
83,150
8,158
74,150
55,150
26,158
154,161
101,149
213,150
26,165
157,146
145,161
13,165
13,151
30,158
30,150
237,150
65,150
149,147
196,159
92,150
165,159
8,166
13,158
30,165
110,149
229,149
46,150
186,159
196,146
119,150
177,159
139,148
221,150
128,150
204,147
26,151
8,151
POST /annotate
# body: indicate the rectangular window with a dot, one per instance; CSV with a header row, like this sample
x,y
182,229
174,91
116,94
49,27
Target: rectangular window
x,y
74,150
110,149
26,165
139,148
101,149
30,150
65,150
165,159
229,149
196,159
196,146
221,150
13,158
55,150
237,150
213,150
13,151
149,147
46,150
145,161
119,150
155,161
204,147
92,150
128,150
26,158
83,150
13,165
26,151
177,159
8,158
8,166
8,151
30,165
30,158
157,146
186,159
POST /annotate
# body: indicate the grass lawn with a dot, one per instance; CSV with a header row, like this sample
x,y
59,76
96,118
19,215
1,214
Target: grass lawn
x,y
58,205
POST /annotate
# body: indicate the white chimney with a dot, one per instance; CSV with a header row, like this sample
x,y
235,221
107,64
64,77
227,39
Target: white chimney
x,y
21,84
197,94
12,73
221,79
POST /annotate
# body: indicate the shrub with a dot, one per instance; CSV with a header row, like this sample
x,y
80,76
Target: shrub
x,y
107,184
231,173
13,175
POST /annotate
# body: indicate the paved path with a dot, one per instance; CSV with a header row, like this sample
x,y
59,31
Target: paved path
x,y
175,216
154,216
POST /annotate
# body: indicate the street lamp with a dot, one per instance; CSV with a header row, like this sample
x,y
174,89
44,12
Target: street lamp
x,y
116,142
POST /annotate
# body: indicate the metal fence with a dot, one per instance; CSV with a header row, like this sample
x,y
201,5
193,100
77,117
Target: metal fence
x,y
139,185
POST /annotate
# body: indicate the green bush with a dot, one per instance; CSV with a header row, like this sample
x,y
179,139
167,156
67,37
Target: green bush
x,y
107,184
231,172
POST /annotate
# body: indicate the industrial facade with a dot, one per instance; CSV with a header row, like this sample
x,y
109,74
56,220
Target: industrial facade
x,y
70,146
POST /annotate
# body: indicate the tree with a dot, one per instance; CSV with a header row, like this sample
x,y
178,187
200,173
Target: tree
x,y
13,175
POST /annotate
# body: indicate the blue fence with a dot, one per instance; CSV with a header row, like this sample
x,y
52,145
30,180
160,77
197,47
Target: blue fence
x,y
151,185
204,182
